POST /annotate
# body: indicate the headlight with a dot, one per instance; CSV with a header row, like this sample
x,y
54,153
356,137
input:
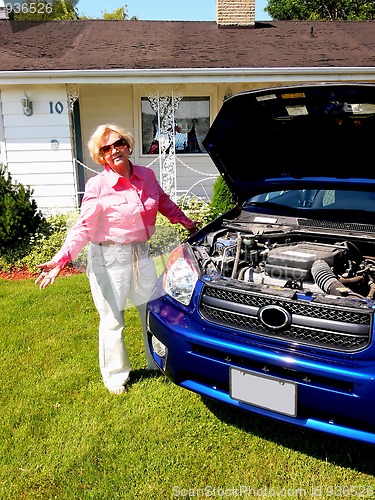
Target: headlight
x,y
181,275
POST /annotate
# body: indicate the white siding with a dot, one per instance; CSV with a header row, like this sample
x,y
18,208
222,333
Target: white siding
x,y
38,148
2,143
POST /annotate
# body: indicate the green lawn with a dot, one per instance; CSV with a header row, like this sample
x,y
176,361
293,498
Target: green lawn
x,y
64,436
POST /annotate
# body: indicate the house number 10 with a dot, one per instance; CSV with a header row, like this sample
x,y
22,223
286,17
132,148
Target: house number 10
x,y
58,107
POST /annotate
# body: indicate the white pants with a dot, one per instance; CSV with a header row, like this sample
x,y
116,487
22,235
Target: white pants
x,y
113,276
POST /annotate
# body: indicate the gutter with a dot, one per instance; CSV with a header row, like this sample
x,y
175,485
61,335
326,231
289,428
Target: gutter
x,y
188,75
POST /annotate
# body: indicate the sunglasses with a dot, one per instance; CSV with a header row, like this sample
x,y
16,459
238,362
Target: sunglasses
x,y
119,144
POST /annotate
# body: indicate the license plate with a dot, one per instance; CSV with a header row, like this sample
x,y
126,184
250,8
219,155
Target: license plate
x,y
267,392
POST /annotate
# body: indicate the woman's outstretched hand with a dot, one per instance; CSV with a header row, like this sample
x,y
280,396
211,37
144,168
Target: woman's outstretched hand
x,y
193,229
50,271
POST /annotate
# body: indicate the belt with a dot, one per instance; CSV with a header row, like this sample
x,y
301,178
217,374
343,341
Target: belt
x,y
108,244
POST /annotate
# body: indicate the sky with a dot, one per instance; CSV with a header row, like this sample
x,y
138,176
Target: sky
x,y
163,10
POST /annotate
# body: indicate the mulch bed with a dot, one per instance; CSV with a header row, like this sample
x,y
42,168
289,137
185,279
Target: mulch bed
x,y
18,274
24,274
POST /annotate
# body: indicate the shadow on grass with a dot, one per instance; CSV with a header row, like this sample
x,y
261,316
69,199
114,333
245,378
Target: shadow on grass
x,y
338,451
142,374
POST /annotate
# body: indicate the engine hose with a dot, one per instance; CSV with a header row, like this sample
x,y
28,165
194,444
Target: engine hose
x,y
238,252
242,272
354,279
326,280
371,292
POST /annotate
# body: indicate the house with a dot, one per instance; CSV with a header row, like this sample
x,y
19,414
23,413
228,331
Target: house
x,y
163,80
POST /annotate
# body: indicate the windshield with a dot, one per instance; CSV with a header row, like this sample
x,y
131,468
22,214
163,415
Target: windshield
x,y
318,199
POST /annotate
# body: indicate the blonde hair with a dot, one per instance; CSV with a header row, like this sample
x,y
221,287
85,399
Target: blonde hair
x,y
96,140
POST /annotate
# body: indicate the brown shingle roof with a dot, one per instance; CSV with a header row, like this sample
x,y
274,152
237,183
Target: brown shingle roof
x,y
101,44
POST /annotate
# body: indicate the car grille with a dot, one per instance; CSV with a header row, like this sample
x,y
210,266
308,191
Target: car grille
x,y
346,327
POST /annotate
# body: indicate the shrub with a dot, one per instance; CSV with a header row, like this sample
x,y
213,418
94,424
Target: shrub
x,y
48,243
222,198
168,236
165,238
19,219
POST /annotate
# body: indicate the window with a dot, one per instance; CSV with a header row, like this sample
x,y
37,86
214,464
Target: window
x,y
190,117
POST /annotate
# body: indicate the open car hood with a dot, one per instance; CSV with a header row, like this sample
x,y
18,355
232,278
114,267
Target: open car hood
x,y
285,137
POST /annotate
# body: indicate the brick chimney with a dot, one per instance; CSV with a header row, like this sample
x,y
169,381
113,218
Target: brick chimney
x,y
235,13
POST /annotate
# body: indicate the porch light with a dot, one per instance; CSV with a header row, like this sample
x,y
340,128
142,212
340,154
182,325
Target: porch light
x,y
27,106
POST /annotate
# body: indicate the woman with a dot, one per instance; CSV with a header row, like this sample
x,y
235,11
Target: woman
x,y
117,218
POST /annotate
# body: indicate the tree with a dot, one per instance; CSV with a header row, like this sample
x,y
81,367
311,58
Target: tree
x,y
57,10
121,13
222,198
44,10
331,10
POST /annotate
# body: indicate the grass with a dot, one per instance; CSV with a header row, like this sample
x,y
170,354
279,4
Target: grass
x,y
64,436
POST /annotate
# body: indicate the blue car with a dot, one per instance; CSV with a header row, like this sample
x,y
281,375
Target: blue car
x,y
270,307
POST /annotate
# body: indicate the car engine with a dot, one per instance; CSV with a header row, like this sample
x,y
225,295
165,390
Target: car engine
x,y
332,266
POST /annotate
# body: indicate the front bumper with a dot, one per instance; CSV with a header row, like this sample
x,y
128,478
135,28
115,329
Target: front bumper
x,y
335,394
